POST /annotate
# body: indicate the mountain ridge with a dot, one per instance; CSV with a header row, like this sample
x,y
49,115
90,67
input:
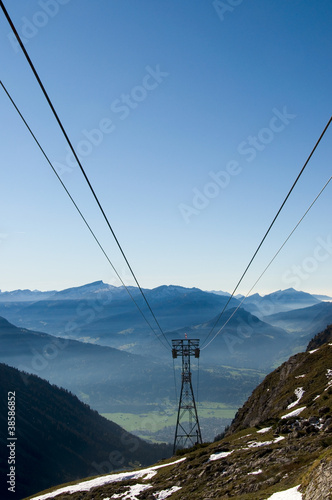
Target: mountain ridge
x,y
278,302
79,307
307,320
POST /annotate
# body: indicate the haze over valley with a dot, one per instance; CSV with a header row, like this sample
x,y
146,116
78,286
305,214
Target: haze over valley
x,y
93,341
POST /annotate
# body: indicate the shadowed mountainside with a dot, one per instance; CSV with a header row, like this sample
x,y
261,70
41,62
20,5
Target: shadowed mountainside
x,y
59,438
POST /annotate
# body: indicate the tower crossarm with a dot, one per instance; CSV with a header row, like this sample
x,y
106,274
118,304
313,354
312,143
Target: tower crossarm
x,y
186,347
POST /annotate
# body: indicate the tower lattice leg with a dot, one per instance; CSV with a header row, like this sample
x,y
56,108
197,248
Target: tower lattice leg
x,y
187,432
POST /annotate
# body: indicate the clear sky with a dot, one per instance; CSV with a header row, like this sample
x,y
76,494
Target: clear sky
x,y
192,120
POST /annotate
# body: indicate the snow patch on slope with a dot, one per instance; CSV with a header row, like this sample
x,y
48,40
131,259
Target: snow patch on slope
x,y
217,456
294,413
161,495
255,472
133,492
291,494
257,444
262,431
110,478
298,393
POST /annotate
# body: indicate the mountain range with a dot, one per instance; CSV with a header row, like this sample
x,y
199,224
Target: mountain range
x,y
306,321
106,315
93,341
280,301
98,310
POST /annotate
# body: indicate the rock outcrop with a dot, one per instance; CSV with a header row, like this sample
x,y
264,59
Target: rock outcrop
x,y
320,482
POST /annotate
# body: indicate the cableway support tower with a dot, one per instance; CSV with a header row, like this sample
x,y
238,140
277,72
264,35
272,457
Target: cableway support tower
x,y
187,432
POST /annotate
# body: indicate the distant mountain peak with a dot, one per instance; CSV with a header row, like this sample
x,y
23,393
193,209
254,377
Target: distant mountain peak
x,y
83,291
94,283
255,296
286,290
279,301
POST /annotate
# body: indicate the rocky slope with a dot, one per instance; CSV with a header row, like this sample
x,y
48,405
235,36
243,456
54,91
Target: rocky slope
x,y
308,371
320,339
279,441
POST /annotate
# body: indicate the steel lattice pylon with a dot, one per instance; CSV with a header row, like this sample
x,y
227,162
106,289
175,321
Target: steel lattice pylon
x,y
187,432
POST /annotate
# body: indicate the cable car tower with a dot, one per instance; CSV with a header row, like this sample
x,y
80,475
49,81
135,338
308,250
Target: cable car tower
x,y
187,432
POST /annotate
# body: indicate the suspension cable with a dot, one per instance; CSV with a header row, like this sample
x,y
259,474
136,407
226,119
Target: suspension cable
x,y
79,163
269,229
78,210
175,386
269,264
197,389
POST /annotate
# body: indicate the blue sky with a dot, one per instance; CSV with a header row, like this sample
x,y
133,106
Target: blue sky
x,y
192,121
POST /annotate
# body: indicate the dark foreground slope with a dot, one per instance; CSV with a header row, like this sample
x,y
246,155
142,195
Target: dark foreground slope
x,y
59,438
281,440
